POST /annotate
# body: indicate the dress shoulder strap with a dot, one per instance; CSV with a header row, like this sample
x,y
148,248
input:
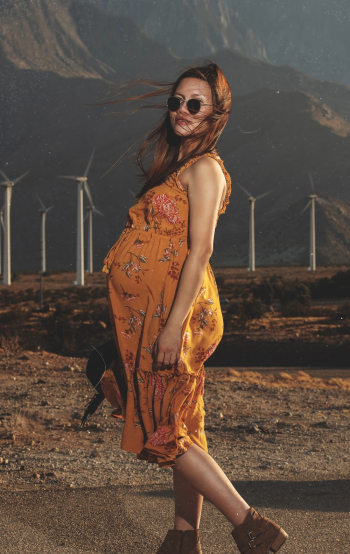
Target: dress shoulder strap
x,y
226,174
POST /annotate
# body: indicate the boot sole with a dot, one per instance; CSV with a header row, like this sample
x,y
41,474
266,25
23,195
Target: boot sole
x,y
279,540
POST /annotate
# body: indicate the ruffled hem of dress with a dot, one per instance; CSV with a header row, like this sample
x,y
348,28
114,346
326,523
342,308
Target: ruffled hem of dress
x,y
171,399
152,456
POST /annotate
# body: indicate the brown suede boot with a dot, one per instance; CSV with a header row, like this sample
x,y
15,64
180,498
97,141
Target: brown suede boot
x,y
258,532
181,542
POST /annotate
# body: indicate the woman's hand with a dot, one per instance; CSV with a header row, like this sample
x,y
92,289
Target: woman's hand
x,y
167,347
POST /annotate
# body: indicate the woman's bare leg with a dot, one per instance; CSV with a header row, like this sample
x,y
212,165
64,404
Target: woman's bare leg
x,y
198,468
188,504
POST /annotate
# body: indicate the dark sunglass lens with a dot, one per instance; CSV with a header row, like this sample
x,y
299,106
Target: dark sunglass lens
x,y
194,105
173,103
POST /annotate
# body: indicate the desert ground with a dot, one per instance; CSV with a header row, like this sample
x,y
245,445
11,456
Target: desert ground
x,y
282,434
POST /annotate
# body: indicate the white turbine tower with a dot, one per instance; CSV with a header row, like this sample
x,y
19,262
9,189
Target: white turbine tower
x,y
313,197
252,201
82,185
43,212
90,210
2,228
7,237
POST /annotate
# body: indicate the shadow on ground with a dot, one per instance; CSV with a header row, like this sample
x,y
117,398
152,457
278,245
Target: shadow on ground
x,y
127,520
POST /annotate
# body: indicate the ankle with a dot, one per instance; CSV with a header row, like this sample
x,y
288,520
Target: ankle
x,y
182,524
239,517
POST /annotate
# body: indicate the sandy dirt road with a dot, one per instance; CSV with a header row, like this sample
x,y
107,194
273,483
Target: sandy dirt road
x,y
283,440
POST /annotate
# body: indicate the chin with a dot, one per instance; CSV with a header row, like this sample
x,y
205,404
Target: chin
x,y
180,131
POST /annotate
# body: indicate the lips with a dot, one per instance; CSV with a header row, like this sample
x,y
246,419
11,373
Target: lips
x,y
180,120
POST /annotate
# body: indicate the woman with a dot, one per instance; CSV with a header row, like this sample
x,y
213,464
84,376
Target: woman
x,y
165,309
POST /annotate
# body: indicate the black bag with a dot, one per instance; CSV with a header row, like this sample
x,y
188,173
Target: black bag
x,y
99,361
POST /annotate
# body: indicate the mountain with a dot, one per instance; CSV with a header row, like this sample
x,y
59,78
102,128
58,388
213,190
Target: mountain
x,y
119,42
310,35
75,39
190,28
283,124
247,75
42,36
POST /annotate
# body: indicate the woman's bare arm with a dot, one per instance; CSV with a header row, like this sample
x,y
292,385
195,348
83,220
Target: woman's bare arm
x,y
206,182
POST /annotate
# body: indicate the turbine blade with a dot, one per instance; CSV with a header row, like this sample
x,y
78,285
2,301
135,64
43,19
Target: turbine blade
x,y
262,195
323,201
311,181
86,216
88,193
42,205
3,174
68,177
132,193
20,177
48,209
240,186
90,162
2,222
306,207
98,212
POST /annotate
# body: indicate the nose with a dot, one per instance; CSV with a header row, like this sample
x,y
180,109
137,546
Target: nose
x,y
183,110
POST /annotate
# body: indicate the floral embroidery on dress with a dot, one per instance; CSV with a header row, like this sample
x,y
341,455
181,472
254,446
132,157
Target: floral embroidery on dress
x,y
169,251
159,386
139,243
129,365
205,318
185,348
203,354
132,265
134,320
167,207
160,309
129,296
158,438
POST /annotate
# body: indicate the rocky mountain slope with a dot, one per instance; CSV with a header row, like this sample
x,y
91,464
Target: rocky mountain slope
x,y
312,36
190,28
42,36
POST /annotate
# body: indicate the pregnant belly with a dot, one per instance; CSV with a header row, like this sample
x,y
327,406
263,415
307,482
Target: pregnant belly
x,y
141,259
142,282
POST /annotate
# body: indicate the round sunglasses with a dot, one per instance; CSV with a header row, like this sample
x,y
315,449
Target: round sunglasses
x,y
193,104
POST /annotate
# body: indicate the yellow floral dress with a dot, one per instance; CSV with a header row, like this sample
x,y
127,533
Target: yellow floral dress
x,y
165,408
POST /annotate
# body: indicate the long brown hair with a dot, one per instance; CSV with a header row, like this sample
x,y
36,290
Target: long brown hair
x,y
162,141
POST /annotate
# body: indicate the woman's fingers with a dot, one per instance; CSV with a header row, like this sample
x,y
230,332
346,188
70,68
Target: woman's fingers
x,y
160,357
166,357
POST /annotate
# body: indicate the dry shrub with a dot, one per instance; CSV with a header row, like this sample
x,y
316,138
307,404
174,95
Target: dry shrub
x,y
284,375
10,345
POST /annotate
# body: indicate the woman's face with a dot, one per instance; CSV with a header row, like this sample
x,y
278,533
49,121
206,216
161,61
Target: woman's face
x,y
182,121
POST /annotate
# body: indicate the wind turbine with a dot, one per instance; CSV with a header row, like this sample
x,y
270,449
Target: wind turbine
x,y
7,238
82,185
90,210
252,201
313,197
43,212
2,226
